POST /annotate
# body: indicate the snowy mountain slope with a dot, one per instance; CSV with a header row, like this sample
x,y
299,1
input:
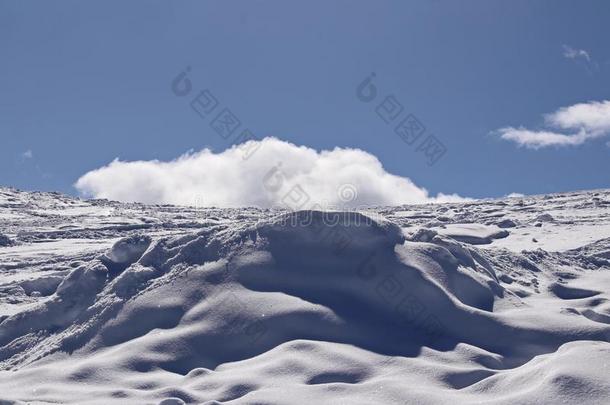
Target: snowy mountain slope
x,y
499,301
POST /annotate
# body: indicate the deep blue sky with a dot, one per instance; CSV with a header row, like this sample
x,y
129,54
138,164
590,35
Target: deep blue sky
x,y
82,83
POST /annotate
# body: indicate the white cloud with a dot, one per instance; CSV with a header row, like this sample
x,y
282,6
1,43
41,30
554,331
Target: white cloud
x,y
276,174
540,139
27,154
593,116
569,126
572,53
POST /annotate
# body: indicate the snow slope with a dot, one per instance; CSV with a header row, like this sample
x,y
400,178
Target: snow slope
x,y
499,301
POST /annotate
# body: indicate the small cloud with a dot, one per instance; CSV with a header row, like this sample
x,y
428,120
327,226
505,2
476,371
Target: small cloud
x,y
27,154
568,126
581,57
515,195
539,139
572,53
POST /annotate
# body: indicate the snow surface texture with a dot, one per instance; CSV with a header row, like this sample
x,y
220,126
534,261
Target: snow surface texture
x,y
499,301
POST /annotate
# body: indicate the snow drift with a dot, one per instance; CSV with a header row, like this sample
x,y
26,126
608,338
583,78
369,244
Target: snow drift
x,y
315,307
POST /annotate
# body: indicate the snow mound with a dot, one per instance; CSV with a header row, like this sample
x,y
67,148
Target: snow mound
x,y
125,252
474,234
313,307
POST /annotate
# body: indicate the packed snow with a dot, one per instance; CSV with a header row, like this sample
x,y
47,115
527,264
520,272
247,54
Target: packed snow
x,y
491,302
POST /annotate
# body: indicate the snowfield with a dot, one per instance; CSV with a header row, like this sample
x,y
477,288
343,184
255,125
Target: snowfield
x,y
488,302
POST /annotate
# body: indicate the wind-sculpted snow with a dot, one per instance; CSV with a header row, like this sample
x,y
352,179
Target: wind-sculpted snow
x,y
108,303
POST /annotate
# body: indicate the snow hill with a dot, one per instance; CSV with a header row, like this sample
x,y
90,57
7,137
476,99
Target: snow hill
x,y
489,302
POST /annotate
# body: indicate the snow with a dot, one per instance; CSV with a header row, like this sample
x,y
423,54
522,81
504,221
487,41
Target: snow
x,y
110,303
475,234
